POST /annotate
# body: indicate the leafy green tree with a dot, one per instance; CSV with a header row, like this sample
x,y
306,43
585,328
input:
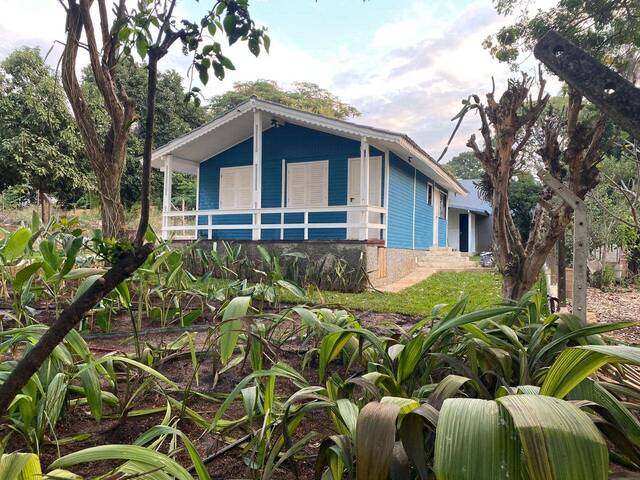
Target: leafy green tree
x,y
175,117
303,96
465,165
40,149
607,29
524,193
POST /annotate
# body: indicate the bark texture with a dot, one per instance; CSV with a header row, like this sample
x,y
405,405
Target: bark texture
x,y
507,126
68,319
107,151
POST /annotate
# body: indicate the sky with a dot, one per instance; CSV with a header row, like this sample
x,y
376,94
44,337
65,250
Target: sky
x,y
405,65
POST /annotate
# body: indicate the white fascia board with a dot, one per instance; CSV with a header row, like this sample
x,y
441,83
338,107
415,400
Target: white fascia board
x,y
200,131
443,178
328,123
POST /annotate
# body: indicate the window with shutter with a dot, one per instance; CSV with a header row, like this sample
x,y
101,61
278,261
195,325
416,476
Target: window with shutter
x,y
308,184
236,190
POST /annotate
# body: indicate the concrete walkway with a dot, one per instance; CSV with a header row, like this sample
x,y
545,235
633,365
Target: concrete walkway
x,y
420,274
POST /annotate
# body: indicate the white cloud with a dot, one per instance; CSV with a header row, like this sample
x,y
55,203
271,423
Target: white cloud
x,y
411,77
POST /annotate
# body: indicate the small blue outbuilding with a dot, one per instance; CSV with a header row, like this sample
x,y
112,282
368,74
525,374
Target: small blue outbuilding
x,y
269,172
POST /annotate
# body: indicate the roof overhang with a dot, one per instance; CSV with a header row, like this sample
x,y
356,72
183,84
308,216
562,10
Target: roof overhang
x,y
236,126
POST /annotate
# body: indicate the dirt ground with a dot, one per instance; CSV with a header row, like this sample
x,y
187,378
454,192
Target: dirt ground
x,y
622,304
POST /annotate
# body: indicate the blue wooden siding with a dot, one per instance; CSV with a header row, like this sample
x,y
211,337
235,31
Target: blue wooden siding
x,y
424,214
442,232
400,224
298,144
293,144
237,156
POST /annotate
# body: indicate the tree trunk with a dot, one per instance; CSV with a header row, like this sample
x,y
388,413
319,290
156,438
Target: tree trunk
x,y
112,210
45,207
152,81
68,319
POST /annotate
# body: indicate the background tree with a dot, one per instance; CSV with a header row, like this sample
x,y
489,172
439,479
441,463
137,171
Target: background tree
x,y
524,192
466,166
607,29
175,117
303,96
154,19
40,148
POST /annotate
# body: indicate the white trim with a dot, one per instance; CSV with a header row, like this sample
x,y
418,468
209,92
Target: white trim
x,y
257,172
387,175
306,225
283,194
198,189
415,180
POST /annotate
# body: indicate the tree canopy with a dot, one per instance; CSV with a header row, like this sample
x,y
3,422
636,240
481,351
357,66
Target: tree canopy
x,y
40,149
465,166
175,117
302,95
608,29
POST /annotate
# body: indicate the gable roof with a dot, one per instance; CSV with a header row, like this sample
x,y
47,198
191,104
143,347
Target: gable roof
x,y
473,201
236,126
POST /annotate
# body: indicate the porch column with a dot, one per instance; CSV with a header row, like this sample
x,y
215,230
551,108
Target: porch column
x,y
364,187
387,172
166,196
257,173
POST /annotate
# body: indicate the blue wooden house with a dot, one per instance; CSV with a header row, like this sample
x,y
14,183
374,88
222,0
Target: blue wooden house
x,y
266,172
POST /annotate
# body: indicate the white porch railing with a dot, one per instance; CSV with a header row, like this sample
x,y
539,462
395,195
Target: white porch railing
x,y
183,225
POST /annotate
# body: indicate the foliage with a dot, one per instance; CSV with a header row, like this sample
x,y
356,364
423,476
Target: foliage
x,y
40,148
395,401
605,28
524,192
465,166
303,96
174,116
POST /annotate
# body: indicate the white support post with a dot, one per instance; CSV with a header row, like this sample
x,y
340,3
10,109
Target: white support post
x,y
387,174
257,173
415,184
283,193
166,197
364,187
197,218
306,225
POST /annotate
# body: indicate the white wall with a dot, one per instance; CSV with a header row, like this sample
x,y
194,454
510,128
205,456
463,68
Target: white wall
x,y
472,232
453,229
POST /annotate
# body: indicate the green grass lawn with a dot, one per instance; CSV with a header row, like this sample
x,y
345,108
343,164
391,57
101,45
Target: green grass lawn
x,y
483,289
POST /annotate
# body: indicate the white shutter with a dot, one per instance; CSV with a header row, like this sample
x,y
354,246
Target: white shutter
x,y
317,184
296,185
236,188
244,188
227,187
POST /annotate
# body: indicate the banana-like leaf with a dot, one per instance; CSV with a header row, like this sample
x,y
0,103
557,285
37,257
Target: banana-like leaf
x,y
558,439
594,392
476,439
20,466
152,459
575,364
580,333
448,387
376,438
16,244
160,430
231,326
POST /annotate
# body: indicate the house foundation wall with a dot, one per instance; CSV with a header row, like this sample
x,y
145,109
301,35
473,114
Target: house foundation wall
x,y
350,266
